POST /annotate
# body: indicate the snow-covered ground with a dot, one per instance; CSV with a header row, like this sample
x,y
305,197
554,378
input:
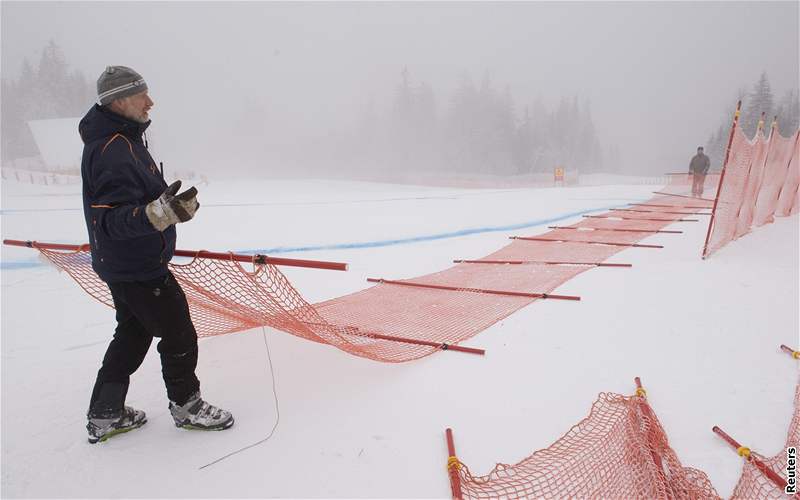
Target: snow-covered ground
x,y
702,335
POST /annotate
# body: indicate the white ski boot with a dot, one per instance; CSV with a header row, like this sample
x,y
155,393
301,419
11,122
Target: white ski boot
x,y
199,415
103,427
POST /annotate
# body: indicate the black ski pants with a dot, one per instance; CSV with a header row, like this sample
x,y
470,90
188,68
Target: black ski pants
x,y
147,309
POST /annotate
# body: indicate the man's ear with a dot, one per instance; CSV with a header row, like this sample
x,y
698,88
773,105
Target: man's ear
x,y
116,105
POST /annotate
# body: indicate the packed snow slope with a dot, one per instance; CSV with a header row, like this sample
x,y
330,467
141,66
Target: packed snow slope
x,y
702,335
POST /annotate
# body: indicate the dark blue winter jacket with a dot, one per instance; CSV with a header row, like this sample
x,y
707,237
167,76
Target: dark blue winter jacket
x,y
119,179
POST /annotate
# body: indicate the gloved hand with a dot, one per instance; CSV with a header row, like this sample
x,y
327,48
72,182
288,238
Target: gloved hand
x,y
169,208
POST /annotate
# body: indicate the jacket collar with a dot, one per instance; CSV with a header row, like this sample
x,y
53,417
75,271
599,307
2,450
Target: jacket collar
x,y
101,122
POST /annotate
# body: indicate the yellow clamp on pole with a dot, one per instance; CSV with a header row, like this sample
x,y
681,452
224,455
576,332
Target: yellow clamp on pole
x,y
796,354
452,461
736,115
744,451
641,392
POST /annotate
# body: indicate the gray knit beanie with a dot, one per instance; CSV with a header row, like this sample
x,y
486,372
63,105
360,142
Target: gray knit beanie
x,y
117,82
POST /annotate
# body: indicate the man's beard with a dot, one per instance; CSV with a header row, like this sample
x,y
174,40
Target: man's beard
x,y
141,118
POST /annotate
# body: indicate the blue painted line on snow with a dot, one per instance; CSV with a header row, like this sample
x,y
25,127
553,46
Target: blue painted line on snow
x,y
379,243
432,237
20,265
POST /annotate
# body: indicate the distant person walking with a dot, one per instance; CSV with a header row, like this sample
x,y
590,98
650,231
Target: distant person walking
x,y
131,215
698,168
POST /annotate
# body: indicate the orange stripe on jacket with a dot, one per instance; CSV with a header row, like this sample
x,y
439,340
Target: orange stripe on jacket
x,y
130,146
102,206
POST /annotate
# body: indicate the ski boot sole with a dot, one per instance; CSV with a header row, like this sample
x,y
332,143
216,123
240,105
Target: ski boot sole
x,y
116,432
221,427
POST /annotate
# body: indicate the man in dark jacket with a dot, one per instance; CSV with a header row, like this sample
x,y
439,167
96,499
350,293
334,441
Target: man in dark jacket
x,y
698,168
131,215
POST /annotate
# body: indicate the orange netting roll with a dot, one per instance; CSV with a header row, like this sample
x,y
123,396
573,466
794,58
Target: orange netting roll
x,y
619,451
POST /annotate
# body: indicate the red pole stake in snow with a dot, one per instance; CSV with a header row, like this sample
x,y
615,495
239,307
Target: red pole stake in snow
x,y
616,229
639,389
745,453
453,465
665,206
557,240
790,351
543,262
475,290
656,211
638,218
681,196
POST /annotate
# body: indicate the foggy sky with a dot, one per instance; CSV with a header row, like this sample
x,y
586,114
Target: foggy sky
x,y
660,75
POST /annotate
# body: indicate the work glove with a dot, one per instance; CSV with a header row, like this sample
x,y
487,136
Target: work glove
x,y
169,208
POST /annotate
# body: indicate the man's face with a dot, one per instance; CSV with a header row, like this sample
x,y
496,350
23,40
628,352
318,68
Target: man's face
x,y
699,151
135,107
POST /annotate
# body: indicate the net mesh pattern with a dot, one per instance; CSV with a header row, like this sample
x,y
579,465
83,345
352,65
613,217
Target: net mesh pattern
x,y
760,181
775,176
751,187
787,199
753,483
731,192
619,450
421,315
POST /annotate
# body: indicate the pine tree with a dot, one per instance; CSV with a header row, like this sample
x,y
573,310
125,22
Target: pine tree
x,y
788,113
588,151
759,101
49,91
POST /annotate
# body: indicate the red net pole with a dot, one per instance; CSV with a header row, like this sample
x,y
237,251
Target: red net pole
x,y
264,259
681,195
651,433
48,246
656,211
553,263
791,352
439,345
745,453
667,206
639,389
476,290
722,176
637,218
453,465
258,259
636,245
621,230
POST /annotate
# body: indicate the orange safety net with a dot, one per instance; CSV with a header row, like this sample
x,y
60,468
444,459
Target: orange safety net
x,y
759,180
753,483
224,297
620,450
788,197
730,193
776,171
752,185
402,320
